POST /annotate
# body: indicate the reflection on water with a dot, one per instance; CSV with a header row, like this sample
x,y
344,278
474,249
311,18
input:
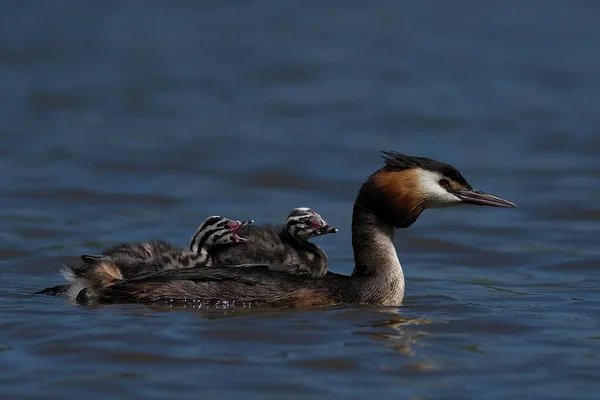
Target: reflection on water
x,y
123,123
396,336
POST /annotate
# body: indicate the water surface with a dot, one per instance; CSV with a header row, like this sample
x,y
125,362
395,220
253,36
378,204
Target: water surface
x,y
125,121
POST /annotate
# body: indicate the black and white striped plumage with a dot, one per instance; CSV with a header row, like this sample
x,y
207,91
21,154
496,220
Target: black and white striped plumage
x,y
284,248
215,231
392,197
136,258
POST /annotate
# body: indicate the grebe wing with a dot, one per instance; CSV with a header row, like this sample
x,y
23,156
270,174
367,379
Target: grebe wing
x,y
246,273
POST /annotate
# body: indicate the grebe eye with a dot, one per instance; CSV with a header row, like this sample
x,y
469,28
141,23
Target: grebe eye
x,y
444,183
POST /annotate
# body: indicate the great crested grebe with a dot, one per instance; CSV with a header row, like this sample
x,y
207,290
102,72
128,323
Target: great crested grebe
x,y
152,256
284,248
392,197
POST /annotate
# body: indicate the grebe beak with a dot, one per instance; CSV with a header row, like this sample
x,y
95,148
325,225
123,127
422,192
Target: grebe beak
x,y
478,198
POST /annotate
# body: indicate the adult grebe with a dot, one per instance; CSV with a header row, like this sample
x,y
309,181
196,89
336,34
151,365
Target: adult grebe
x,y
392,197
284,248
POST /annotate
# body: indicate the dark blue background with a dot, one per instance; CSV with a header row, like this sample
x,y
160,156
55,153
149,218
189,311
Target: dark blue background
x,y
132,120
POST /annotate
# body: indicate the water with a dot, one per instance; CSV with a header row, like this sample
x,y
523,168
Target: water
x,y
124,121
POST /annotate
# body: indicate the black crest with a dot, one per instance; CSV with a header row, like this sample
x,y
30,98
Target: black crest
x,y
398,161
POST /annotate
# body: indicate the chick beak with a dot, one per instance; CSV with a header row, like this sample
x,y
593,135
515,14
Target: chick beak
x,y
327,229
237,238
243,224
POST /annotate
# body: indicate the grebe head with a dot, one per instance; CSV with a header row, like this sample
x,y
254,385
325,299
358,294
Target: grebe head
x,y
407,185
216,231
303,223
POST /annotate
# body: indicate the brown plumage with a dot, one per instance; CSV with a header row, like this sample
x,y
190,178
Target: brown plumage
x,y
107,273
400,190
146,257
392,197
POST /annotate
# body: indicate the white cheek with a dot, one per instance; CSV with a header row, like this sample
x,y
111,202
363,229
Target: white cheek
x,y
437,196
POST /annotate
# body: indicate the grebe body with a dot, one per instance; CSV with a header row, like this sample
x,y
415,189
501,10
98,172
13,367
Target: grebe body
x,y
392,198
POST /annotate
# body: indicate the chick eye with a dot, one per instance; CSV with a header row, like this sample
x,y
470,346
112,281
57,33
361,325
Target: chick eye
x,y
314,222
444,183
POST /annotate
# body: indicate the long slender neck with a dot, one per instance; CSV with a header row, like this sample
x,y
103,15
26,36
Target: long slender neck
x,y
373,245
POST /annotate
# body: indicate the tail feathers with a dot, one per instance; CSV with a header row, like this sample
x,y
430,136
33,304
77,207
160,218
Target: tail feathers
x,y
102,275
93,258
54,291
86,280
106,273
92,278
68,272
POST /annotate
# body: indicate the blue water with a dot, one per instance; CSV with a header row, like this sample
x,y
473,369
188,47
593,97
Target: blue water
x,y
134,120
